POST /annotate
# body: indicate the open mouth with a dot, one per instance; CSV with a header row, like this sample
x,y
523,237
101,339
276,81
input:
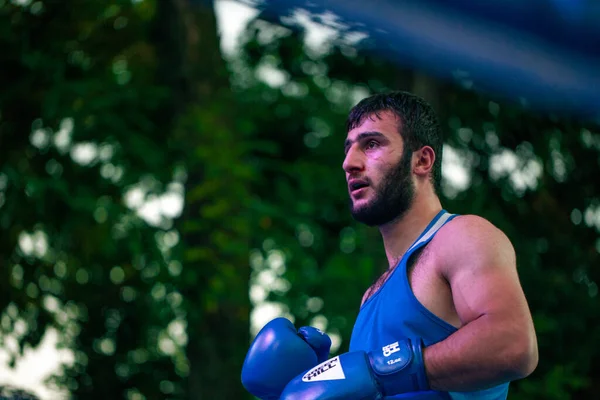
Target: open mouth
x,y
355,186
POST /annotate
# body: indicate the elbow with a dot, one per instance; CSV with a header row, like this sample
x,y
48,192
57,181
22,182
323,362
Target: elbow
x,y
524,356
527,362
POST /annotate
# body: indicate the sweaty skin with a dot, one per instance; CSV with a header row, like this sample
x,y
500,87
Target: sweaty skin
x,y
466,275
496,341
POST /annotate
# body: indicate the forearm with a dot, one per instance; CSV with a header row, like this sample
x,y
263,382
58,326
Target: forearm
x,y
484,353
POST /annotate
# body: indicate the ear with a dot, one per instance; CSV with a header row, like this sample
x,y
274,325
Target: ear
x,y
423,160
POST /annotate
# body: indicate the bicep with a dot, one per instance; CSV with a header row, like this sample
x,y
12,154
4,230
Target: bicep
x,y
483,276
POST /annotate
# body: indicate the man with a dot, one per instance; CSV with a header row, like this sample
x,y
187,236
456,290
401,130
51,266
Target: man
x,y
448,319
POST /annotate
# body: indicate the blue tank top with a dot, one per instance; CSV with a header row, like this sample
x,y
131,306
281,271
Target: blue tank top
x,y
394,312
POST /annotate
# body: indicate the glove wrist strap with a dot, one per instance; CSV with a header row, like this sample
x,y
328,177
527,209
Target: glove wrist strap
x,y
399,367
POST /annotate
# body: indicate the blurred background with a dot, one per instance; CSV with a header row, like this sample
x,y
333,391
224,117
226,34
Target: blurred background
x,y
170,178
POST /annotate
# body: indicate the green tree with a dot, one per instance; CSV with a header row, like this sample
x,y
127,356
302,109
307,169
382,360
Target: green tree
x,y
212,137
106,105
80,125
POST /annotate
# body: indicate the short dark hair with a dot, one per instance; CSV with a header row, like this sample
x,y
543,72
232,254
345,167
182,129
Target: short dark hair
x,y
419,123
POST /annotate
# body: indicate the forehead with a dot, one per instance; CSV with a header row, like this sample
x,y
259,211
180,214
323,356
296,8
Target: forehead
x,y
384,122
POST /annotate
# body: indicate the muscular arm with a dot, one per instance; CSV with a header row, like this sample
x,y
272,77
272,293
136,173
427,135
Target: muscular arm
x,y
496,342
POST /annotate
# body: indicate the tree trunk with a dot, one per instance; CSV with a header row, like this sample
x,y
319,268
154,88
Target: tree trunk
x,y
213,227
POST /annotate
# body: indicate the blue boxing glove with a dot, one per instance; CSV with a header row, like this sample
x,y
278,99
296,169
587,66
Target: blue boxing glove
x,y
278,353
394,369
318,340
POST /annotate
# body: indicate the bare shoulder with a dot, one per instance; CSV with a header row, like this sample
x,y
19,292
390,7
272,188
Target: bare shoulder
x,y
471,227
474,241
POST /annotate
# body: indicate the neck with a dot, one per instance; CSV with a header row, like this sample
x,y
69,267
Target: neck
x,y
398,235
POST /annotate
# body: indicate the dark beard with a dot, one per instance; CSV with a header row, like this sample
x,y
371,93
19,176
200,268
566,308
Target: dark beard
x,y
393,197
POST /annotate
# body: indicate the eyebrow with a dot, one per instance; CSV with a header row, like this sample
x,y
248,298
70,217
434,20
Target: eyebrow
x,y
362,136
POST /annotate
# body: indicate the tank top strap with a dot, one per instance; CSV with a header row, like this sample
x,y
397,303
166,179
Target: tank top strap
x,y
436,223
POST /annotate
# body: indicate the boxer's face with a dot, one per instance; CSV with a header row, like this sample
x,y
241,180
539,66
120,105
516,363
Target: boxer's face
x,y
378,171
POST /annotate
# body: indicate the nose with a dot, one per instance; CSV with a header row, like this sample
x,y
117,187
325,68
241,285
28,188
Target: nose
x,y
353,162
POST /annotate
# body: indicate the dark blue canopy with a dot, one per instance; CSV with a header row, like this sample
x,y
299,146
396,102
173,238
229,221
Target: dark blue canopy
x,y
544,51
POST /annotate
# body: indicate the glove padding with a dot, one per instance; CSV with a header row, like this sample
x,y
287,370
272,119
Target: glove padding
x,y
278,354
319,341
394,369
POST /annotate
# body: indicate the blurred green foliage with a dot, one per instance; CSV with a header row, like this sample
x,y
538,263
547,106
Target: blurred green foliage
x,y
110,110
